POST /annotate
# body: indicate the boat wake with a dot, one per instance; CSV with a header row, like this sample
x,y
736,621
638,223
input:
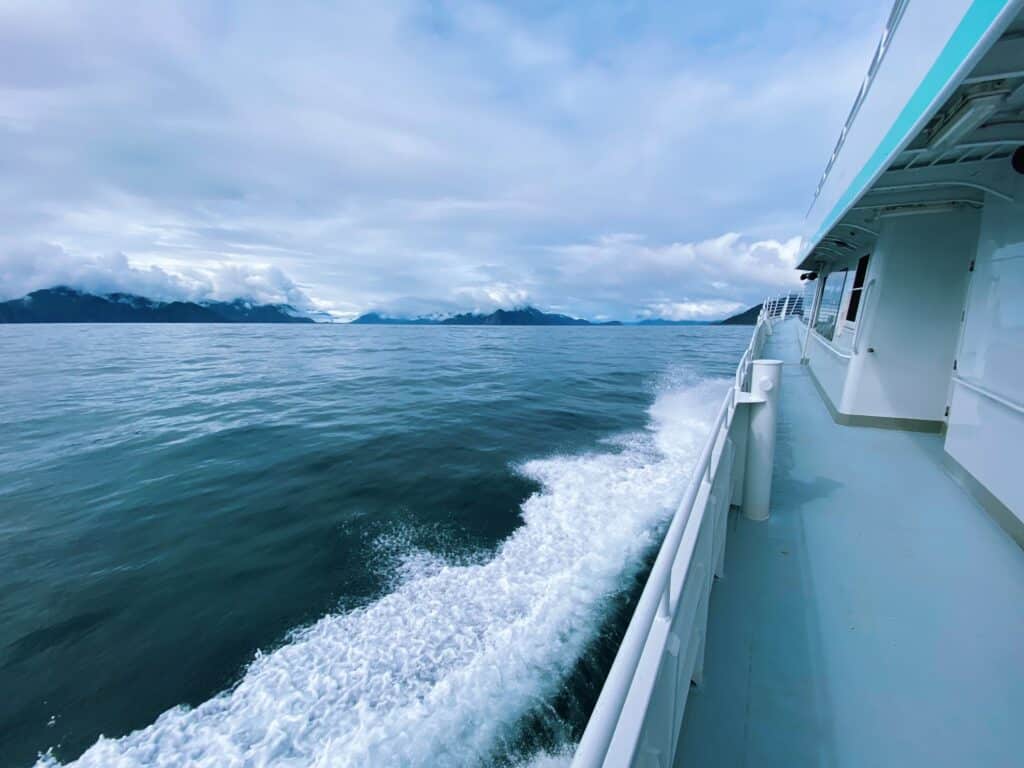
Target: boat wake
x,y
442,670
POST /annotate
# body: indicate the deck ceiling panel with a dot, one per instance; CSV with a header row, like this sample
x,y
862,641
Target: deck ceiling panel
x,y
958,156
951,142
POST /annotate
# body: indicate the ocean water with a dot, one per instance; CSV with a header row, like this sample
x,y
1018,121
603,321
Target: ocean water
x,y
330,545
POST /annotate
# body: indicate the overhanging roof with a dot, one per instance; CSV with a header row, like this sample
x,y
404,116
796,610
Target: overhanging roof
x,y
938,116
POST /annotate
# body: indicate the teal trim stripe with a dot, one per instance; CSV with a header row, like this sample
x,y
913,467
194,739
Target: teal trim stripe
x,y
972,27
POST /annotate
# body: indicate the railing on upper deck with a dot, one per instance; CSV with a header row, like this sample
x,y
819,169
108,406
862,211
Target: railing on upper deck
x,y
638,715
895,15
787,305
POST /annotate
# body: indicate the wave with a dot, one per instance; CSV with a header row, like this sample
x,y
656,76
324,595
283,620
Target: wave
x,y
442,670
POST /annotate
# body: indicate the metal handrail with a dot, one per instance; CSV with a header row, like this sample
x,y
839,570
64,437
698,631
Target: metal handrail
x,y
601,726
824,342
895,15
784,305
657,601
1005,402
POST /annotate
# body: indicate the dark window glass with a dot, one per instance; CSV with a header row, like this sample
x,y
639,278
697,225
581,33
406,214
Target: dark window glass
x,y
831,298
862,271
851,311
858,288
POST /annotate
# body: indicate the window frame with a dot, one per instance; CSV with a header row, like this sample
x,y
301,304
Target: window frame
x,y
857,291
832,310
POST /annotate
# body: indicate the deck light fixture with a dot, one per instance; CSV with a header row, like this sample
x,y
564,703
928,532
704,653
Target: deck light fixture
x,y
971,113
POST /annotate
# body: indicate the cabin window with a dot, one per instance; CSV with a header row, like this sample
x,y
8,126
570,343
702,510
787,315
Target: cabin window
x,y
831,299
857,290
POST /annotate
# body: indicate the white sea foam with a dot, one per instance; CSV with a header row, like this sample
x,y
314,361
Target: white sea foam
x,y
560,759
439,671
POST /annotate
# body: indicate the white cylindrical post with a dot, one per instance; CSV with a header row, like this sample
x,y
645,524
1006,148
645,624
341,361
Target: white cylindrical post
x,y
765,378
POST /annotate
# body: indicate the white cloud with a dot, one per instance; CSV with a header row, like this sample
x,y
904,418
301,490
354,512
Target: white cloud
x,y
692,310
49,265
418,155
681,280
490,297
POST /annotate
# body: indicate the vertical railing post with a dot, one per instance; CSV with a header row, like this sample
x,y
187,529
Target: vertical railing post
x,y
765,378
815,308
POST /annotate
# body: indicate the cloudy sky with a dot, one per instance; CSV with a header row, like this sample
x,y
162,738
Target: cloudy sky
x,y
604,159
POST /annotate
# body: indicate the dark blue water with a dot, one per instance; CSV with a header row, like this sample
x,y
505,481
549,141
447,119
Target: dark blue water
x,y
330,545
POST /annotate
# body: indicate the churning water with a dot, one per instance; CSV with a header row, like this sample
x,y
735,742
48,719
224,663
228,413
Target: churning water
x,y
330,545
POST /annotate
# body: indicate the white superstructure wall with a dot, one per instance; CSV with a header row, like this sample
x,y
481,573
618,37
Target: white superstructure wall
x,y
986,423
902,361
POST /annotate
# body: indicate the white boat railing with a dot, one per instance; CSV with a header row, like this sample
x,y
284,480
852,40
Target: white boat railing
x,y
639,713
895,16
786,305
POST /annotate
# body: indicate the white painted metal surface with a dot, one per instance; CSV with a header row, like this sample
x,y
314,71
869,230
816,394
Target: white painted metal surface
x,y
902,352
928,48
891,24
986,421
765,380
829,365
638,715
927,51
830,638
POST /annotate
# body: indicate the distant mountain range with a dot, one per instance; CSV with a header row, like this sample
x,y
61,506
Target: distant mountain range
x,y
662,321
67,305
523,316
375,318
533,316
746,317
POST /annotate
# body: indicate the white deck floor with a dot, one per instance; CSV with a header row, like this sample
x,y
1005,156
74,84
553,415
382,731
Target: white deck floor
x,y
877,619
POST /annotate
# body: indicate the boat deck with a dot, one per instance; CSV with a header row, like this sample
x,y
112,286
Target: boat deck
x,y
876,619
